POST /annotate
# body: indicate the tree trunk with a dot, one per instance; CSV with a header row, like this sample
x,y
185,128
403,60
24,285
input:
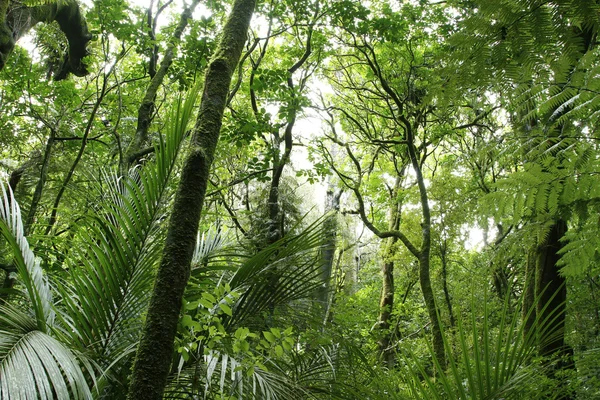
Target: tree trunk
x,y
276,217
386,306
332,207
70,20
146,109
155,352
551,292
425,254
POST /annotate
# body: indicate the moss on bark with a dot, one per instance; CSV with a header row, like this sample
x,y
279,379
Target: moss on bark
x,y
155,352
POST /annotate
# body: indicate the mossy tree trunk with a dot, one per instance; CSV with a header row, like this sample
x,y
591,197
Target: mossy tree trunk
x,y
155,352
425,251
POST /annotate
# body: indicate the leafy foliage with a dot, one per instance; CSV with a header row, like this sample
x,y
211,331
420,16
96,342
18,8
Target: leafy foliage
x,y
499,102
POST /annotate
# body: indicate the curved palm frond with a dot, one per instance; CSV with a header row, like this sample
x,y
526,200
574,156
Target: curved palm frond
x,y
287,270
209,244
283,272
222,373
34,365
492,364
113,271
29,272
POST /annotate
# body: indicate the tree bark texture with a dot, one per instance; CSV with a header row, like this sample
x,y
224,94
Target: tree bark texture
x,y
155,352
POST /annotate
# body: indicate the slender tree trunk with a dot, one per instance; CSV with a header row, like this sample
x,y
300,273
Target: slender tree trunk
x,y
82,147
425,253
332,207
444,259
386,305
155,352
146,109
276,221
551,291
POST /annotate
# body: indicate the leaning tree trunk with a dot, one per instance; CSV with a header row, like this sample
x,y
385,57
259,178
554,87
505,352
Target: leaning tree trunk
x,y
155,352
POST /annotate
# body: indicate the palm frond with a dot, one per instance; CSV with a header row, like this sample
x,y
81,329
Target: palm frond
x,y
493,363
34,365
208,244
29,272
223,373
287,270
283,272
113,271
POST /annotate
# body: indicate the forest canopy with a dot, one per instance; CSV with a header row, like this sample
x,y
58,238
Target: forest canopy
x,y
314,199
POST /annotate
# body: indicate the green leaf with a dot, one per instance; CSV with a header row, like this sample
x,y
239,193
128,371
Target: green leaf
x,y
209,297
226,309
270,337
279,351
206,303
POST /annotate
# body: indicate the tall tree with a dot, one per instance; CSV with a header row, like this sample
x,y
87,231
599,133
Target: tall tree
x,y
153,361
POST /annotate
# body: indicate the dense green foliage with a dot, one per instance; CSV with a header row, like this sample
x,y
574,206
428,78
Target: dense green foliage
x,y
403,201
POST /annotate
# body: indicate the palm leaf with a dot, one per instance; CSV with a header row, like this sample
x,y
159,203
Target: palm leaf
x,y
112,272
287,270
283,272
494,364
29,272
209,245
222,373
34,365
